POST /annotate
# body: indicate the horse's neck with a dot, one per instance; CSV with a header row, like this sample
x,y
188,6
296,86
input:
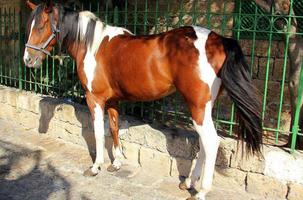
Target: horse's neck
x,y
91,45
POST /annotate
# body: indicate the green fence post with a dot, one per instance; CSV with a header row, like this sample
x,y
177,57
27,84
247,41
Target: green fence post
x,y
116,16
19,52
295,127
1,45
284,68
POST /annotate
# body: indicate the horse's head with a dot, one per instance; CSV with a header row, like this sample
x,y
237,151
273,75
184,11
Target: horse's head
x,y
42,33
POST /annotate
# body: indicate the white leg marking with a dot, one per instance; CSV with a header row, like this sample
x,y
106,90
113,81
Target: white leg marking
x,y
26,54
209,142
117,152
99,136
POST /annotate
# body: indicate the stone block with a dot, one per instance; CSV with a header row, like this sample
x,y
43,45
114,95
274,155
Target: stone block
x,y
154,139
155,161
284,166
3,90
295,191
131,152
266,186
136,134
226,148
8,112
229,176
66,113
183,146
180,167
244,162
28,119
84,117
11,97
28,101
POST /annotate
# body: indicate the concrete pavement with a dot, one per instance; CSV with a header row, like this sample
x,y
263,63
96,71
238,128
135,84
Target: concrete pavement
x,y
35,166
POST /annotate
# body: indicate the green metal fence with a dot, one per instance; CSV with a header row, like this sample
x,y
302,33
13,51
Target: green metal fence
x,y
264,37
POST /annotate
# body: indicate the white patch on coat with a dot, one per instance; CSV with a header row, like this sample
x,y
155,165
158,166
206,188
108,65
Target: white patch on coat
x,y
99,136
26,54
101,31
209,143
207,73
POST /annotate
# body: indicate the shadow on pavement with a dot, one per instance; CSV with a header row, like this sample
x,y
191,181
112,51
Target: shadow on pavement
x,y
23,176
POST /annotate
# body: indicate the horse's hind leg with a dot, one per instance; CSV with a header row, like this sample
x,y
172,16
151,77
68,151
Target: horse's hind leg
x,y
200,101
113,116
209,143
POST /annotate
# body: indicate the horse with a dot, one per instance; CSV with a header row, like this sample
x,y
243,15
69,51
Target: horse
x,y
114,65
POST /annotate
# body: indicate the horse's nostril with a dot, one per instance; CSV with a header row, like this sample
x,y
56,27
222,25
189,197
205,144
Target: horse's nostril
x,y
27,60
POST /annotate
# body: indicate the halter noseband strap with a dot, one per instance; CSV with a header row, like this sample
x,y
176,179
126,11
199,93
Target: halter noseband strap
x,y
43,47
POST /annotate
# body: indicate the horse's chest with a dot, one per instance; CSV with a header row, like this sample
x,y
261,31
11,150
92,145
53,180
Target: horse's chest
x,y
88,70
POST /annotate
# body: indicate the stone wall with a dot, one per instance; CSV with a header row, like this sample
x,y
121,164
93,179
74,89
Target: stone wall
x,y
164,151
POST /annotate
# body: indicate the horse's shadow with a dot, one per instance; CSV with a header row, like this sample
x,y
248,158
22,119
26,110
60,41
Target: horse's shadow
x,y
37,183
48,108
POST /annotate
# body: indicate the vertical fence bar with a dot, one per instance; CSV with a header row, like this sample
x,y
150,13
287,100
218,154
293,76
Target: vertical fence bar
x,y
284,69
106,12
53,81
208,15
19,51
267,68
252,54
14,48
135,17
10,39
156,16
181,13
5,38
125,13
167,14
1,45
295,126
145,16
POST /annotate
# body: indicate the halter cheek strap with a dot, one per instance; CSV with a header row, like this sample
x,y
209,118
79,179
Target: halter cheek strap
x,y
43,47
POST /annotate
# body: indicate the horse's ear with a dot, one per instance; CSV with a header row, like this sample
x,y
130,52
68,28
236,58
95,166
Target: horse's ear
x,y
31,5
49,6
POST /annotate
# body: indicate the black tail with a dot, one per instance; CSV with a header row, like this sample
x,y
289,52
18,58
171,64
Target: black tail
x,y
237,81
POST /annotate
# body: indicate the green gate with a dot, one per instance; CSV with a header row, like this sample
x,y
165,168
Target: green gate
x,y
263,35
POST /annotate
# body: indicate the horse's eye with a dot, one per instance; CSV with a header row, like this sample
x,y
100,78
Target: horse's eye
x,y
40,28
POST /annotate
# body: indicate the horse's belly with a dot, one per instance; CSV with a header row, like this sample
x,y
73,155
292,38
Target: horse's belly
x,y
147,92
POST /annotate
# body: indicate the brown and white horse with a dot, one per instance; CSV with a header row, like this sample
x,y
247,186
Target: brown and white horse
x,y
114,65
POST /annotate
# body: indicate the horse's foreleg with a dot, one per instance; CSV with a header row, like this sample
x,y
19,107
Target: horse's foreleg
x,y
96,107
113,116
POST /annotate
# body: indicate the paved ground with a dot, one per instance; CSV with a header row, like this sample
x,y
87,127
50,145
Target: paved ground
x,y
36,167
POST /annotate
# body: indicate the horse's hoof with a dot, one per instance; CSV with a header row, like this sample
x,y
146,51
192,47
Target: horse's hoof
x,y
112,168
89,173
195,198
183,186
